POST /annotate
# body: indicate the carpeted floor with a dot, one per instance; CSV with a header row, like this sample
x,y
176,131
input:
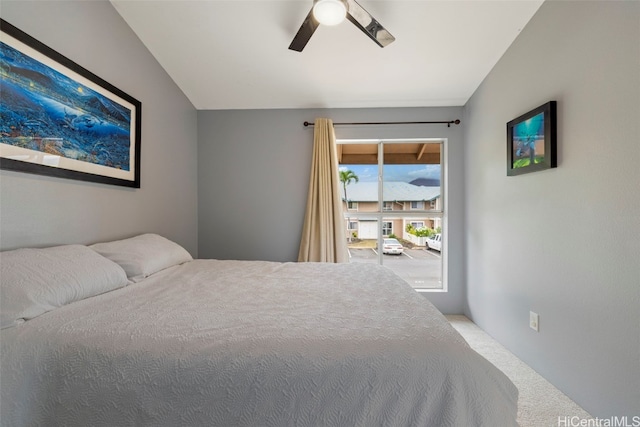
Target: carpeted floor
x,y
540,404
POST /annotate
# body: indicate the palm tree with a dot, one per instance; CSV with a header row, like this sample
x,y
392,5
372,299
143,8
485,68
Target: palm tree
x,y
347,177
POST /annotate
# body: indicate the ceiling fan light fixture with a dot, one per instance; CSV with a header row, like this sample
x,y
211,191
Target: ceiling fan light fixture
x,y
329,12
332,12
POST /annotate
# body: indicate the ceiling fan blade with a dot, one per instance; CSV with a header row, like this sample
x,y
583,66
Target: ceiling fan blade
x,y
368,24
305,32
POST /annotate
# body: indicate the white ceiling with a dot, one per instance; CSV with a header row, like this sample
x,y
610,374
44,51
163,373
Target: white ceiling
x,y
234,54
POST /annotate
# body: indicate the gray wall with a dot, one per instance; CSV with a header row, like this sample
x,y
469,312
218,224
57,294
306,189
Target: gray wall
x,y
253,174
563,242
43,211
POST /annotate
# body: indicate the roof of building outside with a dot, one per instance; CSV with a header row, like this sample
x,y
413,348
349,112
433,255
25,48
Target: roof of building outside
x,y
392,191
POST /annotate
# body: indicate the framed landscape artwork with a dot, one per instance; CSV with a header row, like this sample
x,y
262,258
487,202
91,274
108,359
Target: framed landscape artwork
x,y
531,141
59,119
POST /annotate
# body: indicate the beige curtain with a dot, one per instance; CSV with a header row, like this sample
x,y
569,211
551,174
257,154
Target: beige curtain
x,y
323,235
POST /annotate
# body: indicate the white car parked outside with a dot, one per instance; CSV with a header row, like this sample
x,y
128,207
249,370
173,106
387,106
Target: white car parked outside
x,y
435,242
392,246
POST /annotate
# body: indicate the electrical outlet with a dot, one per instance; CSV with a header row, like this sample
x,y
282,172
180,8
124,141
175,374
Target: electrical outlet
x,y
534,321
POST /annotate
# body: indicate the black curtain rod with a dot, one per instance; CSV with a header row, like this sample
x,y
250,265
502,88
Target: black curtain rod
x,y
449,123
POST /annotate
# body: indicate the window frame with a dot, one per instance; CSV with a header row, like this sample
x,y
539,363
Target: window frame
x,y
380,214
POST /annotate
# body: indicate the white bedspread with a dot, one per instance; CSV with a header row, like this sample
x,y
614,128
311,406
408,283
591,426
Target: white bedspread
x,y
237,343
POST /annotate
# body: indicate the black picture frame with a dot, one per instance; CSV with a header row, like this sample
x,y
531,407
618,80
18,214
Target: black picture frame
x,y
59,119
532,140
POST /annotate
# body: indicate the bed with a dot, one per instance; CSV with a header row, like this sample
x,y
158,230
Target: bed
x,y
135,332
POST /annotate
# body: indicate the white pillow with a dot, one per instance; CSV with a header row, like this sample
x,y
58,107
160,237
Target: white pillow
x,y
143,255
34,281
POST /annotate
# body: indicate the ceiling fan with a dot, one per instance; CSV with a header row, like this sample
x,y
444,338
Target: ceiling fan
x,y
332,12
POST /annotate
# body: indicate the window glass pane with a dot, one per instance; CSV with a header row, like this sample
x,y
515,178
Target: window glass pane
x,y
419,265
363,246
412,174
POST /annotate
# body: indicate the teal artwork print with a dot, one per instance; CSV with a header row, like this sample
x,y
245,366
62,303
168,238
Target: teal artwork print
x,y
528,142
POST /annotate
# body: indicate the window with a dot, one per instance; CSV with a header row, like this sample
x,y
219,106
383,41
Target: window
x,y
353,225
387,228
400,192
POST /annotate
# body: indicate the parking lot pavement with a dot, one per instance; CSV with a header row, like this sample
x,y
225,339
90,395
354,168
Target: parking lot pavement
x,y
369,253
421,268
422,253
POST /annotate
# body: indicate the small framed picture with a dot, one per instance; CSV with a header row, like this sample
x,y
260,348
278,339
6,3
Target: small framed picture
x,y
531,141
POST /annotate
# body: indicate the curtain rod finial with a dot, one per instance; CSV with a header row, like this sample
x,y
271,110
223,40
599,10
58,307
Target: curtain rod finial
x,y
306,124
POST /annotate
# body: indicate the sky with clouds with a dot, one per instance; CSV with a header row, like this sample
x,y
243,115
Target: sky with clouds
x,y
404,173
